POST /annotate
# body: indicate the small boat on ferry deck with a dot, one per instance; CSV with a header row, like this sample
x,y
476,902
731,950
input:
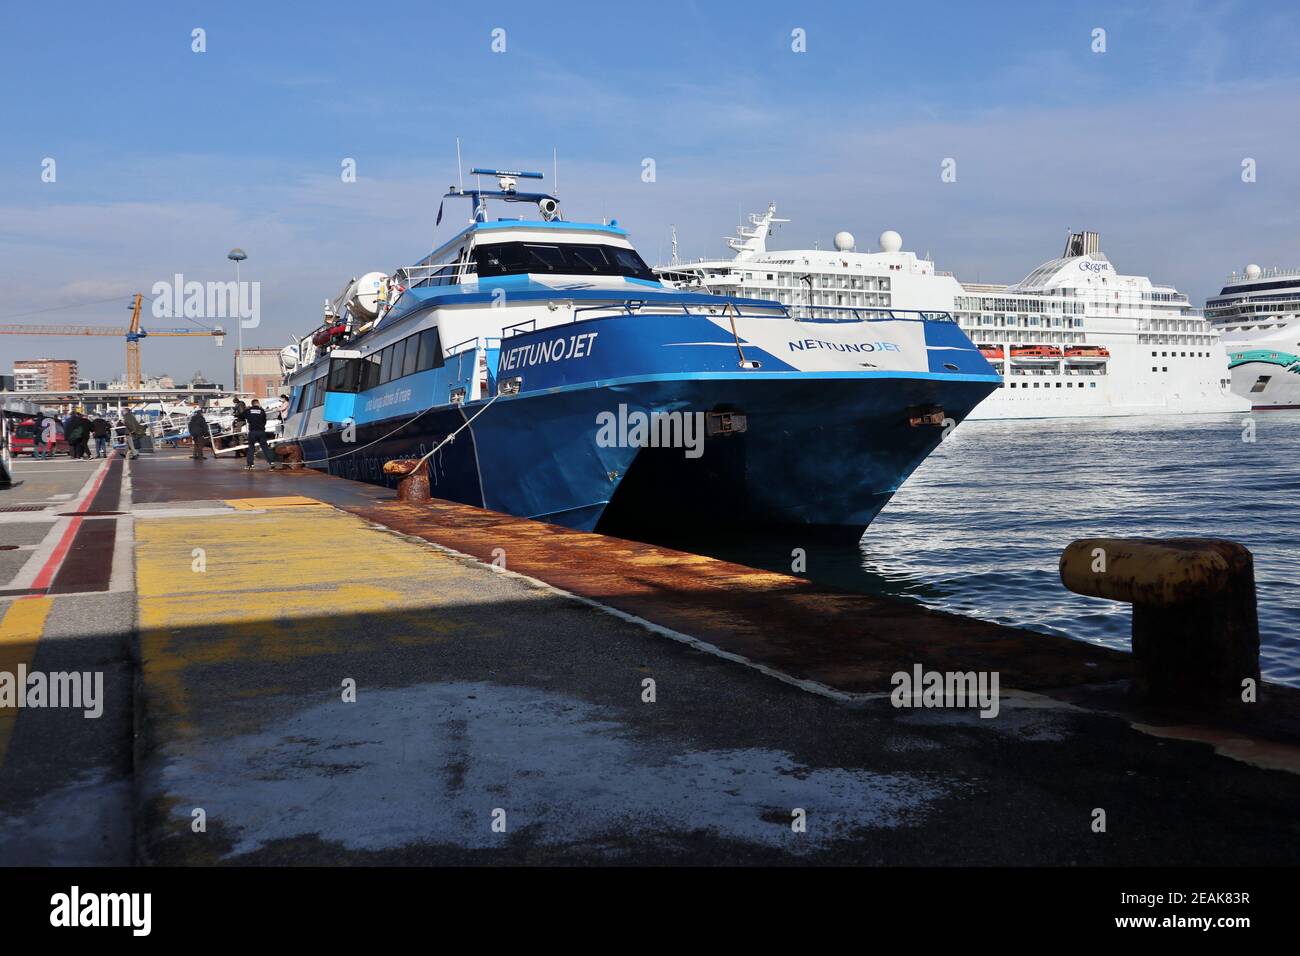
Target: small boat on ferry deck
x,y
543,370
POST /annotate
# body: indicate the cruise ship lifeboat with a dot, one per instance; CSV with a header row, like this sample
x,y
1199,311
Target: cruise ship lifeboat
x,y
1035,354
327,335
1087,355
992,352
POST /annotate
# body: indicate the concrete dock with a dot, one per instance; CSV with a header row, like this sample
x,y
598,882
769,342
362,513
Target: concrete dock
x,y
299,669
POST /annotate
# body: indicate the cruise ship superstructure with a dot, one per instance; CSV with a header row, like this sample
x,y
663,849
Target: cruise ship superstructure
x,y
541,369
1258,314
1074,338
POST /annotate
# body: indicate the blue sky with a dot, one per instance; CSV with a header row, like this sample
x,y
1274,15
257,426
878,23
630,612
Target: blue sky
x,y
166,158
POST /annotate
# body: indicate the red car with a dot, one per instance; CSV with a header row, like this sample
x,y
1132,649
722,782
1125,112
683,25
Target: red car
x,y
23,439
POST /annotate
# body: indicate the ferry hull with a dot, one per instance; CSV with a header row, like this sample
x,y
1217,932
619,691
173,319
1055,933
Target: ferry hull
x,y
818,456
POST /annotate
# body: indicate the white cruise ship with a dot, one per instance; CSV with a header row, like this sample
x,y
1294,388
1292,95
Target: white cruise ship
x,y
1072,339
1258,314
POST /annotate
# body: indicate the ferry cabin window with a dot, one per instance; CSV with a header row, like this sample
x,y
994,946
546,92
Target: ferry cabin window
x,y
370,371
399,356
430,350
412,352
318,392
519,258
415,353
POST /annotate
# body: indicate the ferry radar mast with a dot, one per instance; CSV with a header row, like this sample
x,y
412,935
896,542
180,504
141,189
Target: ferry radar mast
x,y
507,190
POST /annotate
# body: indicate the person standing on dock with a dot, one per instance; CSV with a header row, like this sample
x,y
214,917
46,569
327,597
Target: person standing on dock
x,y
238,421
49,434
77,431
256,418
134,432
101,430
199,434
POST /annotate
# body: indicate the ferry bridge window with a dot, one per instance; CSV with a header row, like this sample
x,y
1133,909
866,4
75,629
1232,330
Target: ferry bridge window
x,y
344,375
385,365
518,258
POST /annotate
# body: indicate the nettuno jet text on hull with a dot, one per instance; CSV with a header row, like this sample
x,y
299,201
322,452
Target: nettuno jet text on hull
x,y
583,391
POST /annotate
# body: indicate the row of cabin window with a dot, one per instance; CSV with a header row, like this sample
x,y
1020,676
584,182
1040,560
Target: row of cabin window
x,y
415,353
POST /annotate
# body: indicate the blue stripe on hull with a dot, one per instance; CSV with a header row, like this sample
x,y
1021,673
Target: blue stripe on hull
x,y
823,454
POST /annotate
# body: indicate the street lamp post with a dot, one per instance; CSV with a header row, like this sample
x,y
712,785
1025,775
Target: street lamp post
x,y
237,256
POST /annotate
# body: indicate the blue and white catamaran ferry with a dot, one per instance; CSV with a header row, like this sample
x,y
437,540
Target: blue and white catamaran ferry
x,y
577,388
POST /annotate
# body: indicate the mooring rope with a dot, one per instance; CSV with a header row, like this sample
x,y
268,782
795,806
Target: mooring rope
x,y
385,437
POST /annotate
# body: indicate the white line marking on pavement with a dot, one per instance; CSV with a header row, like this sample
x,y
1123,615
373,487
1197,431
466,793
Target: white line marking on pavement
x,y
811,686
122,577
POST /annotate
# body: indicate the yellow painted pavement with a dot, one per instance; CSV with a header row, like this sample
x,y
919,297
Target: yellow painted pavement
x,y
275,586
283,501
20,630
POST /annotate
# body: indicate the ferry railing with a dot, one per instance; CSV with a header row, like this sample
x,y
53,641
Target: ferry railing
x,y
474,343
726,309
854,313
444,273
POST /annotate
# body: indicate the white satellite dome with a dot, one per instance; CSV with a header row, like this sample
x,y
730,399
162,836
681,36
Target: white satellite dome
x,y
1253,271
890,241
844,241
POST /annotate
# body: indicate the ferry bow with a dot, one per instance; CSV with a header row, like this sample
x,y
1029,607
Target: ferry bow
x,y
602,399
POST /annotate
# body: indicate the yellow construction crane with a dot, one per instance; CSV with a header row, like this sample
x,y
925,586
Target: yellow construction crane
x,y
133,335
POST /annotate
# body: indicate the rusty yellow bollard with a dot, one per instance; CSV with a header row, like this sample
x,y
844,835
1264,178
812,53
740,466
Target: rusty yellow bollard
x,y
1195,625
413,480
290,456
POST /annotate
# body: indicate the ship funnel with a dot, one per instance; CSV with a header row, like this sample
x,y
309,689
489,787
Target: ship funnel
x,y
1083,244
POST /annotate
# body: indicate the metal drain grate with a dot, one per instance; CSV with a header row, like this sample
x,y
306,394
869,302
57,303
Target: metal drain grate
x,y
23,508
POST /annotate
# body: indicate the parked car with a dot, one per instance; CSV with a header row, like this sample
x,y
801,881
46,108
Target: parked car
x,y
23,439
